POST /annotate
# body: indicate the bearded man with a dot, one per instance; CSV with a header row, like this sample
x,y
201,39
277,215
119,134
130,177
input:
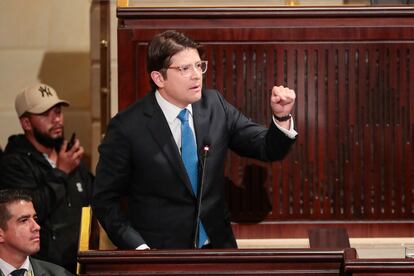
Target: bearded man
x,y
41,161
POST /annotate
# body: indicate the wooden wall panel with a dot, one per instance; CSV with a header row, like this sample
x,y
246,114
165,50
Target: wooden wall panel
x,y
352,72
348,134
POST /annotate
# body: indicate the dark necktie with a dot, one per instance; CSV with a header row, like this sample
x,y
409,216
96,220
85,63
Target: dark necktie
x,y
190,160
18,272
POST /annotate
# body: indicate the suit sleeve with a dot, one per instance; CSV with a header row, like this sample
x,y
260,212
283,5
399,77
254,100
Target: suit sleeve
x,y
253,140
46,268
113,174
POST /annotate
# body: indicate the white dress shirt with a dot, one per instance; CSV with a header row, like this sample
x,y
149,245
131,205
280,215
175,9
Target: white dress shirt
x,y
7,268
171,112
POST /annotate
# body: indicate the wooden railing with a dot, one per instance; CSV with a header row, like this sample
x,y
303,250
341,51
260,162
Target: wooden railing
x,y
385,267
212,262
239,262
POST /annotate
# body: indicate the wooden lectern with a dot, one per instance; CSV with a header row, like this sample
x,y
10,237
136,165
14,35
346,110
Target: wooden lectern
x,y
213,262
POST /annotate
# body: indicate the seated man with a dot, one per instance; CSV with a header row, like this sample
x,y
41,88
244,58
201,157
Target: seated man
x,y
20,237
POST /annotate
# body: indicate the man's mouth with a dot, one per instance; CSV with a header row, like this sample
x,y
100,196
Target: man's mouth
x,y
56,129
196,87
35,239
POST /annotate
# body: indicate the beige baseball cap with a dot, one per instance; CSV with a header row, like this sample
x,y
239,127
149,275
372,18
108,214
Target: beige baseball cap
x,y
37,99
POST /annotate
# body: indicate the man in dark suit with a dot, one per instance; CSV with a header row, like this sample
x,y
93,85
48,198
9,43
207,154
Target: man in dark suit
x,y
20,237
144,156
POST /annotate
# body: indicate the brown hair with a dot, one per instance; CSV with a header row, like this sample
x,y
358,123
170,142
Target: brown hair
x,y
163,46
8,196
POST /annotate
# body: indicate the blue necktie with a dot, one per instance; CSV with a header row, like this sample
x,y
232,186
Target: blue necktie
x,y
190,160
18,272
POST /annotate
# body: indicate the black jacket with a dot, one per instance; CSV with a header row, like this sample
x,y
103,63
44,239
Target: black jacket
x,y
57,197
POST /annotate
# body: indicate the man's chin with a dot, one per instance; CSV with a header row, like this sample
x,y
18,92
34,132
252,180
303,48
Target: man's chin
x,y
53,139
57,137
196,96
33,250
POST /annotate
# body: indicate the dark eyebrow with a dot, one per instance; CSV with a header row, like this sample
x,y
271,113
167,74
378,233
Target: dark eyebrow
x,y
26,217
23,217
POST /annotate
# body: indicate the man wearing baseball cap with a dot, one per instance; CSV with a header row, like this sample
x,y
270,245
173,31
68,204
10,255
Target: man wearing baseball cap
x,y
41,161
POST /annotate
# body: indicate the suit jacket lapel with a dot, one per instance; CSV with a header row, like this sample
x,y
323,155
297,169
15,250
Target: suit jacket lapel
x,y
202,130
201,125
158,126
37,270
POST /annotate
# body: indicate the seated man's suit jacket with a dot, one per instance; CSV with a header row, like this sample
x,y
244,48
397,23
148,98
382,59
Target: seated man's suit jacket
x,y
42,268
140,161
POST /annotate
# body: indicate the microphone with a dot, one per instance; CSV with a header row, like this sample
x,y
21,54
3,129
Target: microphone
x,y
204,151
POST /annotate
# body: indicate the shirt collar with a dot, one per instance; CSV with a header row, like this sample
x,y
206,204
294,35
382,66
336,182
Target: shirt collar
x,y
8,268
170,111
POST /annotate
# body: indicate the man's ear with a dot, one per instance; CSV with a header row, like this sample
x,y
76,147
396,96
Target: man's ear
x,y
25,123
157,78
1,235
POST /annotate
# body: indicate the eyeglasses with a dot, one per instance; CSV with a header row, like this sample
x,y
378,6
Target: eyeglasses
x,y
187,69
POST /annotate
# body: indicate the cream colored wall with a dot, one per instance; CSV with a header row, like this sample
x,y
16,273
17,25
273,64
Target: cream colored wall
x,y
97,43
48,41
114,59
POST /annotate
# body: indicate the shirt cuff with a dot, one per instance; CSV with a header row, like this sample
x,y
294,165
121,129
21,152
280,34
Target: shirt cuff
x,y
142,247
291,132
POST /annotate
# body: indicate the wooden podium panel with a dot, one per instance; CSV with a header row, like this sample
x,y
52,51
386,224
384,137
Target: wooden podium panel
x,y
239,262
351,68
212,262
380,267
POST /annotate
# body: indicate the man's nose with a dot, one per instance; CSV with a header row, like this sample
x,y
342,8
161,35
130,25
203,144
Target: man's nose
x,y
57,117
36,226
196,73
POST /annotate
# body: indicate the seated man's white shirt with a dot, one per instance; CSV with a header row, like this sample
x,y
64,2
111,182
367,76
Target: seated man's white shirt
x,y
7,268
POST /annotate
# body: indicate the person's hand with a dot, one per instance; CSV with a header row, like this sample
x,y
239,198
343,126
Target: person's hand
x,y
69,160
282,100
143,246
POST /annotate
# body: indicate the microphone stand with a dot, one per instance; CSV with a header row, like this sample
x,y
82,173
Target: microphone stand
x,y
206,148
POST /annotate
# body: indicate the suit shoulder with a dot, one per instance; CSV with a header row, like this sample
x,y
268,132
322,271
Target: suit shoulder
x,y
132,110
137,109
213,97
212,93
46,268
